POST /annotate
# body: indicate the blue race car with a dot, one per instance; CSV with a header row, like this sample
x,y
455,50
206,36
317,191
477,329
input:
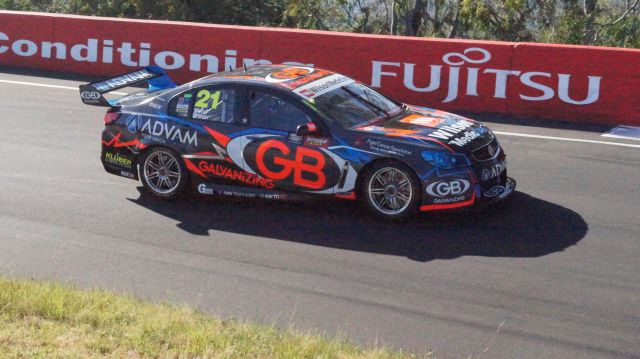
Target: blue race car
x,y
283,132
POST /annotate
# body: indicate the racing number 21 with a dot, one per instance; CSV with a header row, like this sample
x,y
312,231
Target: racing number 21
x,y
203,99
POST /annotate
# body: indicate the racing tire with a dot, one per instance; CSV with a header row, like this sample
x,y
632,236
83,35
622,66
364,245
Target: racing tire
x,y
391,191
163,173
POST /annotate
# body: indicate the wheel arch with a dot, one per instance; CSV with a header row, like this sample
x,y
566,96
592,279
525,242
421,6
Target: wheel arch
x,y
185,178
148,148
367,167
142,154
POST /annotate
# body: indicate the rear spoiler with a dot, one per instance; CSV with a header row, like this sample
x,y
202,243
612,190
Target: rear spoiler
x,y
91,94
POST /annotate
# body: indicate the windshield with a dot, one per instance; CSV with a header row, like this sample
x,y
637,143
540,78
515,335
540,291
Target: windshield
x,y
356,105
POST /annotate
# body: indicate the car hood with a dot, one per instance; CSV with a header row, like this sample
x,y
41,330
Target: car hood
x,y
425,124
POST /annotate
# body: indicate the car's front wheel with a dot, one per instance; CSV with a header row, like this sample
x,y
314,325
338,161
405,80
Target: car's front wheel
x,y
391,191
163,173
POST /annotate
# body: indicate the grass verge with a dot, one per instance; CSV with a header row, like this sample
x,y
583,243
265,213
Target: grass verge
x,y
50,320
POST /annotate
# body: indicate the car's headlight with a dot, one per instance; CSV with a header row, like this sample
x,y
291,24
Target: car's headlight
x,y
445,160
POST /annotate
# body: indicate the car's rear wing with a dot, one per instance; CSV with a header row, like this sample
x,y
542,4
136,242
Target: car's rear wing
x,y
91,94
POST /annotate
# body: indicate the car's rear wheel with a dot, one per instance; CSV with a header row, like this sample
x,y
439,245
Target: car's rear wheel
x,y
391,191
163,173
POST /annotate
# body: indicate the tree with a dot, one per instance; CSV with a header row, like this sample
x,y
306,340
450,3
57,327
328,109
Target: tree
x,y
588,22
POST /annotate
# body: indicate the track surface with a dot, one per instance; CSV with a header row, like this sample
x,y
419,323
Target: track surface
x,y
554,273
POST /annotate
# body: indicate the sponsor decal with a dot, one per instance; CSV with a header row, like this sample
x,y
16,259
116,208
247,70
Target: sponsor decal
x,y
494,191
172,133
200,116
133,123
305,164
123,80
152,138
456,202
448,200
155,105
449,131
182,107
295,138
442,132
312,127
90,95
315,170
499,77
426,121
387,148
388,131
270,196
322,86
289,74
305,80
118,160
316,141
246,178
135,96
127,174
447,188
208,189
494,171
239,194
460,73
204,189
468,137
138,54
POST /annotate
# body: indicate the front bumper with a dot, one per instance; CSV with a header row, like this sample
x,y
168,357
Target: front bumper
x,y
497,192
483,182
480,197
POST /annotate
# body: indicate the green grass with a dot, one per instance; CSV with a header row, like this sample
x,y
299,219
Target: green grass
x,y
45,320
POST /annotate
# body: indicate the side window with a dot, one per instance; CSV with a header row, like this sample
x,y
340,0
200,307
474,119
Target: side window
x,y
214,104
180,105
275,113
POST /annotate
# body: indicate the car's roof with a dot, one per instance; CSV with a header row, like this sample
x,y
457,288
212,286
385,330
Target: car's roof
x,y
263,72
289,77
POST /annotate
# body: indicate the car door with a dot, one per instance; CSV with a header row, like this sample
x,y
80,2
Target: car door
x,y
215,109
294,162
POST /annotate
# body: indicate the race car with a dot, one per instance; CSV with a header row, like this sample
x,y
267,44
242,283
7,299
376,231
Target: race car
x,y
292,132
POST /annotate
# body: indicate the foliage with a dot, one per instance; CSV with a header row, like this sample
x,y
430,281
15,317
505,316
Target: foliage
x,y
43,320
588,22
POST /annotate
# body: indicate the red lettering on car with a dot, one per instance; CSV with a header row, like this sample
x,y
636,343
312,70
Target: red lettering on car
x,y
299,165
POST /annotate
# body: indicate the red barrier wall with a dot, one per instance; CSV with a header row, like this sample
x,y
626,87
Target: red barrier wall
x,y
587,84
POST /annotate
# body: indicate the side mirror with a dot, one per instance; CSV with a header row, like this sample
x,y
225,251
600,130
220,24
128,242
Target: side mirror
x,y
307,129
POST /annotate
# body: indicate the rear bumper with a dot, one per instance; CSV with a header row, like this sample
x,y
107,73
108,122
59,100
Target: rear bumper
x,y
131,173
118,162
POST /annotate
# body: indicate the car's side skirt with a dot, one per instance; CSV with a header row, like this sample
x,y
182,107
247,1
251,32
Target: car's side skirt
x,y
208,188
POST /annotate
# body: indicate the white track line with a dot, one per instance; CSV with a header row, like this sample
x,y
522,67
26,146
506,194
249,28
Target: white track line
x,y
496,132
52,86
565,139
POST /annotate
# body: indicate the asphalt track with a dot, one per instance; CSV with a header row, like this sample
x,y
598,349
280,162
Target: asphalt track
x,y
553,273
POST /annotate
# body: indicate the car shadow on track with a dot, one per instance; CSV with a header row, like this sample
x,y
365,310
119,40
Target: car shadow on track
x,y
523,226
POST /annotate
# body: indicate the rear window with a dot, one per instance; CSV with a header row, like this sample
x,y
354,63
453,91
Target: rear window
x,y
181,105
